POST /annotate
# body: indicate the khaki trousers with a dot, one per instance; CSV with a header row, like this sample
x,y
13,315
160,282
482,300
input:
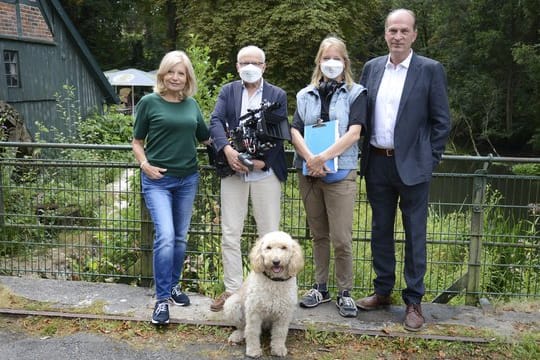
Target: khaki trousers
x,y
265,202
329,210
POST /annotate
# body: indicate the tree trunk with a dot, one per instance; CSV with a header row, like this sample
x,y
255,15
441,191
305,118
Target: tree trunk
x,y
509,99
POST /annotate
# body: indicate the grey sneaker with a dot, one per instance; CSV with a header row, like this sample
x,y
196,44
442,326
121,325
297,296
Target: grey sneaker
x,y
160,316
314,297
178,297
346,305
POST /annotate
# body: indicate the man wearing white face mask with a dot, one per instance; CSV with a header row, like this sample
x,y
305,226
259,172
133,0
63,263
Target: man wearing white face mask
x,y
263,182
329,198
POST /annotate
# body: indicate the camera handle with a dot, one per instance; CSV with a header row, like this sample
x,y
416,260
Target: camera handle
x,y
245,159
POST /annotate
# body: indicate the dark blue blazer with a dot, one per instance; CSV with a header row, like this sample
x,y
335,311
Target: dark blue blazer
x,y
423,118
227,110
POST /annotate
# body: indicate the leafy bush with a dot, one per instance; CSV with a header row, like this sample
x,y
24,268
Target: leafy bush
x,y
110,128
526,169
512,260
207,73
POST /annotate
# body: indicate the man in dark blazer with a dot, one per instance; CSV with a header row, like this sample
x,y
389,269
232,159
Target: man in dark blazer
x,y
407,130
262,183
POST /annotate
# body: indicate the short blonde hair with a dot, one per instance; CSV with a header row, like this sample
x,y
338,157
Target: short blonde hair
x,y
170,60
339,44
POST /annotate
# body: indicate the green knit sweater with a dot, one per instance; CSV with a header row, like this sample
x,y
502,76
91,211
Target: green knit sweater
x,y
171,132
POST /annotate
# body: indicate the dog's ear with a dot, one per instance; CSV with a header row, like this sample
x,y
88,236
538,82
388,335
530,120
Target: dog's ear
x,y
297,259
256,257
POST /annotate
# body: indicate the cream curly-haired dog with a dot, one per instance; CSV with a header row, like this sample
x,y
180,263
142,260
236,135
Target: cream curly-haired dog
x,y
268,296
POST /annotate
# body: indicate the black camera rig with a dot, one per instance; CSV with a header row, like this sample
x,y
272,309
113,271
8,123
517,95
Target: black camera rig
x,y
258,131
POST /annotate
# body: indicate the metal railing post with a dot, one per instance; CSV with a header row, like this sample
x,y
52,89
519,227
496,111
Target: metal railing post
x,y
2,207
477,231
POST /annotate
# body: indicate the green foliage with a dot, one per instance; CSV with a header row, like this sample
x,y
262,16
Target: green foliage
x,y
17,238
207,74
526,169
491,96
38,224
68,109
115,255
203,261
69,115
60,205
489,49
527,347
3,128
288,31
110,128
448,233
528,57
120,33
512,259
320,338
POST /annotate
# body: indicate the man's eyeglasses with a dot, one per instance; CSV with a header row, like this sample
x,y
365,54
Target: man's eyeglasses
x,y
256,63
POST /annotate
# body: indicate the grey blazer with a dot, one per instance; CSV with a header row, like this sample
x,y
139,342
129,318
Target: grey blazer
x,y
423,118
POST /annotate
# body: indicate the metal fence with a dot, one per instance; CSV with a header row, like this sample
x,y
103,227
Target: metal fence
x,y
75,212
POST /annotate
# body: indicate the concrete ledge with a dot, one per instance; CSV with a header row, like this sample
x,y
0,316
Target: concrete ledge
x,y
120,301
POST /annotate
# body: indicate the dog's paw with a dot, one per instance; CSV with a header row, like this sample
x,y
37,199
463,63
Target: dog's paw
x,y
253,353
236,337
279,350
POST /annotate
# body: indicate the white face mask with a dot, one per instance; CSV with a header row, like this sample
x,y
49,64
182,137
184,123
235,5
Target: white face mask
x,y
332,68
250,73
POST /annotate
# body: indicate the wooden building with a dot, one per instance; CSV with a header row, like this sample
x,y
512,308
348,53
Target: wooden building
x,y
42,55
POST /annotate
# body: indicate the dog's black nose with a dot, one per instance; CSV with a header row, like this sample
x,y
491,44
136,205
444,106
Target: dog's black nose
x,y
276,262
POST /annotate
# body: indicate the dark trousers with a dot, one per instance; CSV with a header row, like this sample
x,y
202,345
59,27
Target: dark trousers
x,y
384,190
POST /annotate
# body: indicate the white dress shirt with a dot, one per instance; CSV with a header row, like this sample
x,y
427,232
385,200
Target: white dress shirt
x,y
387,103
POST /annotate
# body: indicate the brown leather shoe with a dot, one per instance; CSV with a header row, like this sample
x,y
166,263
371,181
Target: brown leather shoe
x,y
217,304
414,320
373,301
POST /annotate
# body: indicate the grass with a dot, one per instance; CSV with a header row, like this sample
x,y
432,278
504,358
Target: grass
x,y
301,344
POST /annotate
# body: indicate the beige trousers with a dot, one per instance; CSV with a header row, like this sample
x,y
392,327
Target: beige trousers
x,y
329,210
265,202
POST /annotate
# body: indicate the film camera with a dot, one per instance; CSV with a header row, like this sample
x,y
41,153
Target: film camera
x,y
258,131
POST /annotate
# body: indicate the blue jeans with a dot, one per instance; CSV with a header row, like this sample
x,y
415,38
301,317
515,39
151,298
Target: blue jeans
x,y
170,203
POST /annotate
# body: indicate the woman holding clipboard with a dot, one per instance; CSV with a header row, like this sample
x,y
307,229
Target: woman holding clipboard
x,y
331,112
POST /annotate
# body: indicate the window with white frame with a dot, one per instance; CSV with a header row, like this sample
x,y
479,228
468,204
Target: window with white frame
x,y
11,64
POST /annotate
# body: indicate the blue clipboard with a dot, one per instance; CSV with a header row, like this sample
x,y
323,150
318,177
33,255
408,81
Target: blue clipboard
x,y
319,137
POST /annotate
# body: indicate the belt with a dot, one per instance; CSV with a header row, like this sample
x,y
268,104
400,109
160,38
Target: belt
x,y
382,152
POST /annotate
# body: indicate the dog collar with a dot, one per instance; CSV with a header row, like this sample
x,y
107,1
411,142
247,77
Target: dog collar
x,y
276,279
